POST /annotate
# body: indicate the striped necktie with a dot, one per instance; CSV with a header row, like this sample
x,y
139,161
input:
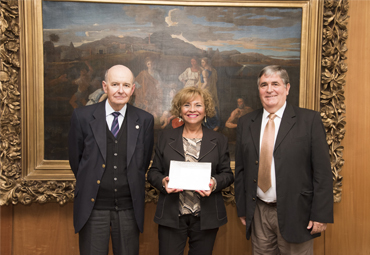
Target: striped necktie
x,y
115,126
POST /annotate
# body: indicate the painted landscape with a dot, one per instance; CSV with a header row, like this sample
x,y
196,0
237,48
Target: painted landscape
x,y
82,40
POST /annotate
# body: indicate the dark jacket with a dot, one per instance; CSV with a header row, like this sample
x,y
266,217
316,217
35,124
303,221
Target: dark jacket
x,y
88,151
304,185
214,149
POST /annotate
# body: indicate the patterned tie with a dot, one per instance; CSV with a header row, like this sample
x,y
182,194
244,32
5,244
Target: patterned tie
x,y
267,147
115,126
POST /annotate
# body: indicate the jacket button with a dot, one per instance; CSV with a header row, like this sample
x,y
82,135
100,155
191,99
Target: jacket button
x,y
254,180
253,199
92,200
256,162
103,165
98,181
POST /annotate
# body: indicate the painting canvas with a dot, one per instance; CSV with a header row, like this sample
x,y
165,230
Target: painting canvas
x,y
167,47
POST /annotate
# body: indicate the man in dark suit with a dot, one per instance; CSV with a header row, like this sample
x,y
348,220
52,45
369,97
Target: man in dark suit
x,y
291,202
110,146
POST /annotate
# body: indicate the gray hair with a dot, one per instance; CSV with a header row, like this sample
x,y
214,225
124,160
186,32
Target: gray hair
x,y
106,75
274,69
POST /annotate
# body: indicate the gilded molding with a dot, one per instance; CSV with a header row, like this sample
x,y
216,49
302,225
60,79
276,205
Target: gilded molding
x,y
10,133
15,188
334,70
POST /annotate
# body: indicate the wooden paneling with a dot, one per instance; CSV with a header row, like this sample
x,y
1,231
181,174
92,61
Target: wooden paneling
x,y
350,233
48,229
44,229
6,229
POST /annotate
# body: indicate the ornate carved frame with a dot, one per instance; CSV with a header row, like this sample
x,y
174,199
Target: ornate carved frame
x,y
25,178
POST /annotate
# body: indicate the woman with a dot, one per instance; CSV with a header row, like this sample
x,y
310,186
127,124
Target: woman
x,y
208,81
193,214
148,94
191,76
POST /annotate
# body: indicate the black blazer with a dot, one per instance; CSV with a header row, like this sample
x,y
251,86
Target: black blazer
x,y
214,149
87,156
304,183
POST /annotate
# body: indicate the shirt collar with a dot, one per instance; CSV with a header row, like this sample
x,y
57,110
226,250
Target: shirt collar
x,y
279,112
109,110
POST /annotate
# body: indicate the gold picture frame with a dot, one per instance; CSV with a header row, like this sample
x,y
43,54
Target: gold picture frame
x,y
27,177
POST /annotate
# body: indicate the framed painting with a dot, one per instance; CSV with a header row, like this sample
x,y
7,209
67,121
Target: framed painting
x,y
66,47
166,47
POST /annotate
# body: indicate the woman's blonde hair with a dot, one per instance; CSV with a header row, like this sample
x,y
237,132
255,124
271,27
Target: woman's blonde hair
x,y
189,93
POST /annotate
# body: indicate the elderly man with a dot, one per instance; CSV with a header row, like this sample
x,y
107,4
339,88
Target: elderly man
x,y
283,180
110,146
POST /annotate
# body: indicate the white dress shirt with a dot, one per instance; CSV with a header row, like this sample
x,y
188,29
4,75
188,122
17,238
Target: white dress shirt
x,y
270,195
109,116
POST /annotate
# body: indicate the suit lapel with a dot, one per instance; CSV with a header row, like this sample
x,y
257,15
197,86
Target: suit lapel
x,y
207,146
176,141
287,122
98,126
133,129
255,129
208,143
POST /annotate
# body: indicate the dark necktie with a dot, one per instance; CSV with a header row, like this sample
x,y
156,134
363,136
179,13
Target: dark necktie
x,y
115,126
267,148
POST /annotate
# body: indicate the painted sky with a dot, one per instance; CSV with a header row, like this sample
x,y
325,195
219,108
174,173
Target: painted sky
x,y
274,32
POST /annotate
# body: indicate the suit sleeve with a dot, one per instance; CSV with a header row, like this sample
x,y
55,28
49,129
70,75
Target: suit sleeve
x,y
149,140
239,173
157,172
75,143
224,176
322,204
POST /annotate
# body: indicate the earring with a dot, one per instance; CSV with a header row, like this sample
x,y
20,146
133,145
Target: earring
x,y
180,119
205,119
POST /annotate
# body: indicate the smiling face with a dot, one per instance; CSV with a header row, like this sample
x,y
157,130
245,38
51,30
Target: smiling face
x,y
193,111
119,86
273,92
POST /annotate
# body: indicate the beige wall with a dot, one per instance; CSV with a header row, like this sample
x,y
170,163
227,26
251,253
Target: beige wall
x,y
350,233
47,229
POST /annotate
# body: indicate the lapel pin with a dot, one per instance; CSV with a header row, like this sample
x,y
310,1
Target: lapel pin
x,y
137,126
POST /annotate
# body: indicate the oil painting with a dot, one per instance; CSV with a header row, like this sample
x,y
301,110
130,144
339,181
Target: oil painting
x,y
167,47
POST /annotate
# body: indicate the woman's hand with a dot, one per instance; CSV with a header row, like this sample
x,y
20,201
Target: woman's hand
x,y
165,181
206,193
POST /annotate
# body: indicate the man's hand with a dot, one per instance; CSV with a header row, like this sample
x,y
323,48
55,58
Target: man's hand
x,y
242,219
316,227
